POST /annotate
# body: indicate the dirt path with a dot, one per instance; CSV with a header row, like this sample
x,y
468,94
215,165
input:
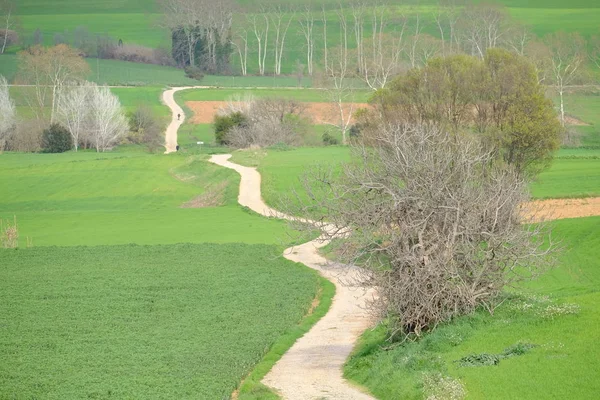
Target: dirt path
x,y
171,133
312,368
317,112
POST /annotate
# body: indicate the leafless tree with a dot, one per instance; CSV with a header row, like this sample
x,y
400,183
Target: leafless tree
x,y
307,23
539,54
340,91
383,55
436,223
281,20
7,113
359,10
107,122
8,20
241,44
412,48
446,18
50,69
482,27
324,20
261,32
73,110
517,38
567,55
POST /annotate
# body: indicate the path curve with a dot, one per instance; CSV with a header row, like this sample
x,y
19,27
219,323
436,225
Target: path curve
x,y
168,98
312,367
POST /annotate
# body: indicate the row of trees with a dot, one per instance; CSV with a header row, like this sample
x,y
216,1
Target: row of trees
x,y
91,115
375,40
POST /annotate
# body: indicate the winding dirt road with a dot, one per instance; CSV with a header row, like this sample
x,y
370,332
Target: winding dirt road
x,y
312,368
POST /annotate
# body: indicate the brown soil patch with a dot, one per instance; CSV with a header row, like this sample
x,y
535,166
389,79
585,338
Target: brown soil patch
x,y
213,197
320,113
574,121
564,208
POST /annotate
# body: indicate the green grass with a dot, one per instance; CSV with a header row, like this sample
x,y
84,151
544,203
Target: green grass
x,y
282,170
563,365
127,197
575,173
183,321
570,177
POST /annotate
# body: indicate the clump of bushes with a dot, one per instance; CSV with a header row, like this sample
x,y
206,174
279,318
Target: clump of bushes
x,y
145,129
194,72
261,123
329,139
225,123
56,139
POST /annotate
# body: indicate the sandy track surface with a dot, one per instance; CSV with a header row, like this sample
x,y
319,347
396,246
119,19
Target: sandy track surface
x,y
319,113
312,368
171,133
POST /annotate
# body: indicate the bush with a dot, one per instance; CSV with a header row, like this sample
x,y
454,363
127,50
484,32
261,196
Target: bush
x,y
56,139
329,139
194,73
145,129
224,123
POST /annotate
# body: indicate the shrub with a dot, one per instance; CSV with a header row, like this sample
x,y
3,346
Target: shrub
x,y
224,123
329,139
56,139
145,129
194,72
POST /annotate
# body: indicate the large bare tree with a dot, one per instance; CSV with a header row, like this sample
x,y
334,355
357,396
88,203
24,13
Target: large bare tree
x,y
482,26
434,219
567,55
7,113
50,69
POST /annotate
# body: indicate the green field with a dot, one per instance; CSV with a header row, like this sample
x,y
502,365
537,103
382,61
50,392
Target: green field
x,y
558,314
575,174
183,321
127,197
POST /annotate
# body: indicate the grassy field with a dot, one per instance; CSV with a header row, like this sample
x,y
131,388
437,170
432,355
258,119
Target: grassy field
x,y
184,321
127,197
575,173
558,314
